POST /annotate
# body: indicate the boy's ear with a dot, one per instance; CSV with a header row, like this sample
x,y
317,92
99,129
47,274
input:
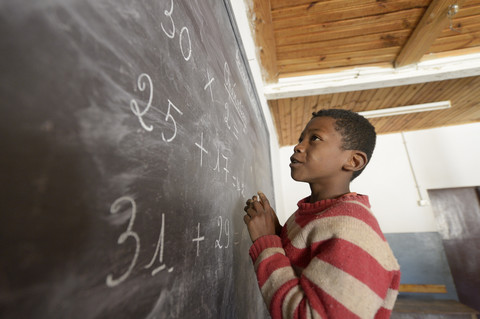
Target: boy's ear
x,y
356,162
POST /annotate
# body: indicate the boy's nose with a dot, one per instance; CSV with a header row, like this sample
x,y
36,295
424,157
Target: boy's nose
x,y
298,148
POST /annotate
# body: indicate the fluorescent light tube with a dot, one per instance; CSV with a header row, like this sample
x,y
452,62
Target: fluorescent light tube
x,y
407,109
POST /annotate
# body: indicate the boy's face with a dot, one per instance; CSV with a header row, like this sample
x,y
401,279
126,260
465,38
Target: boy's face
x,y
318,157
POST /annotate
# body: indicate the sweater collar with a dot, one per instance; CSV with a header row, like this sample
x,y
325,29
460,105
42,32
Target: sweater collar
x,y
305,207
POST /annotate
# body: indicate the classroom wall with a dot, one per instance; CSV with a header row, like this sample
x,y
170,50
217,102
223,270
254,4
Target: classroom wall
x,y
441,158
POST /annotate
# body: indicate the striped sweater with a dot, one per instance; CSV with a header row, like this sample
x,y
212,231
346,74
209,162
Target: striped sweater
x,y
330,261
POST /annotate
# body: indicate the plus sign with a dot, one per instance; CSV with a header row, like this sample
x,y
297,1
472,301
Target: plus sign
x,y
198,239
202,149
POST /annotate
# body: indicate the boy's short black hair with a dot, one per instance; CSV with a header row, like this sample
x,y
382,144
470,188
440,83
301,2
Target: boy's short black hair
x,y
357,132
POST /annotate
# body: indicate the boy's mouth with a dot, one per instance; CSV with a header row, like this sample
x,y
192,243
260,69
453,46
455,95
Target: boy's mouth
x,y
294,161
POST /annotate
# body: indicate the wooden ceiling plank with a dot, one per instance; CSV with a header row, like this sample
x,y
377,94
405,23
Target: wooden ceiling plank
x,y
348,31
394,98
380,96
413,92
279,4
365,100
297,115
434,67
427,30
265,39
457,42
284,112
273,106
325,11
349,55
346,13
468,10
322,40
342,59
352,99
403,20
359,43
461,27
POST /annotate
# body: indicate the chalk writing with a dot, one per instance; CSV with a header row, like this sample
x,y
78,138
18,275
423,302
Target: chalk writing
x,y
209,85
230,88
202,149
198,239
114,209
170,117
223,229
170,34
186,53
160,247
134,105
116,206
189,42
225,168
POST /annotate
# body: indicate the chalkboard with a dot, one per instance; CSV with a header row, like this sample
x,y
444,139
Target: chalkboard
x,y
130,137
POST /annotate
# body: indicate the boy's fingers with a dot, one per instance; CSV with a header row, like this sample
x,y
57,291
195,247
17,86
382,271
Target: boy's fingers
x,y
264,199
250,212
257,206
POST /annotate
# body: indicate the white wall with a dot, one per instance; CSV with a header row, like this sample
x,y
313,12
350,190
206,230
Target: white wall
x,y
441,158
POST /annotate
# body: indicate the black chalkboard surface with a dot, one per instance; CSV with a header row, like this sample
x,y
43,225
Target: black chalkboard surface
x,y
130,138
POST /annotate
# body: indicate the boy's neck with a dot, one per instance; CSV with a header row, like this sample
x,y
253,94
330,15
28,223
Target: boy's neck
x,y
320,193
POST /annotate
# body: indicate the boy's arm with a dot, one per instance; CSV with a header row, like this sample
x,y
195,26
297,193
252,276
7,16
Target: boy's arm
x,y
342,280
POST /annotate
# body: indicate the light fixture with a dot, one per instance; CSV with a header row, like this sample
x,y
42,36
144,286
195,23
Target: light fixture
x,y
407,109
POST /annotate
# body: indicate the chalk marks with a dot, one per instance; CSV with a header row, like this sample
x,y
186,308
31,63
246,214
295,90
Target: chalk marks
x,y
202,149
134,105
170,117
115,208
117,205
222,240
223,229
198,239
184,37
136,109
215,155
209,85
160,247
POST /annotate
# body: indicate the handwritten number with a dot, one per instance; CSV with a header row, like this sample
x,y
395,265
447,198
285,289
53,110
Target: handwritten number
x,y
222,231
227,232
170,117
217,241
123,237
171,35
134,105
187,57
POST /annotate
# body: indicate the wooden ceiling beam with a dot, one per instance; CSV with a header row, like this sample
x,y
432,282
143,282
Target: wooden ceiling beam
x,y
265,39
432,68
428,29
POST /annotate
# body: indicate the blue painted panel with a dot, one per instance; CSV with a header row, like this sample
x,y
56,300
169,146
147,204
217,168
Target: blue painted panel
x,y
422,260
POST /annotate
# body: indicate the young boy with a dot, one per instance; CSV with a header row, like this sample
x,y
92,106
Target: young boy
x,y
330,260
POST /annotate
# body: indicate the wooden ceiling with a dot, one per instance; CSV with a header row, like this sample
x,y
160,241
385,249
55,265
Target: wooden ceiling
x,y
305,38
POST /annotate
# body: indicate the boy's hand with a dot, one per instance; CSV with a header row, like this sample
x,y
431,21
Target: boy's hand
x,y
261,219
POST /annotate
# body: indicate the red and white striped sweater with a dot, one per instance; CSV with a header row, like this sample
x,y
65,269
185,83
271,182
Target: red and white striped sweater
x,y
330,261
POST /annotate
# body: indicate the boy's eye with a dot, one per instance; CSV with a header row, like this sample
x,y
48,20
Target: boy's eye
x,y
314,138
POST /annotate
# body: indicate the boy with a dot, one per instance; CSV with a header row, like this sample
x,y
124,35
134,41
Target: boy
x,y
330,260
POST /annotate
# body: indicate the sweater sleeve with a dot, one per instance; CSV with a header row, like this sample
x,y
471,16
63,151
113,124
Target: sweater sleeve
x,y
349,275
